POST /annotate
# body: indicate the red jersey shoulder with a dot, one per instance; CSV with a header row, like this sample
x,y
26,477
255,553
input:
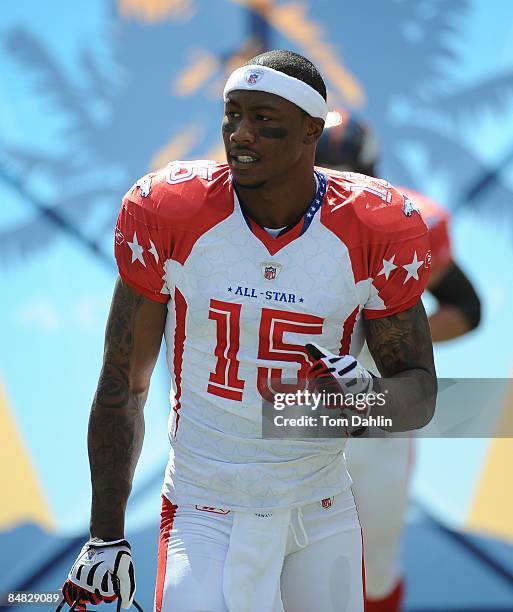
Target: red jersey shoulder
x,y
163,216
367,209
181,193
437,219
432,212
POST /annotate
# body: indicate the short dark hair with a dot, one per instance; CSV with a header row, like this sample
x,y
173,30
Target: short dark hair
x,y
294,65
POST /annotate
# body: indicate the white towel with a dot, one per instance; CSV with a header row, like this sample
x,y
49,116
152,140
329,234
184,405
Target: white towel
x,y
252,570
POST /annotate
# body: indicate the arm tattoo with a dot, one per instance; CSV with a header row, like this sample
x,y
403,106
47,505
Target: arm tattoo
x,y
401,342
403,351
116,426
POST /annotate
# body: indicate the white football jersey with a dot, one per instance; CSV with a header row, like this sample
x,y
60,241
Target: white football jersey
x,y
241,307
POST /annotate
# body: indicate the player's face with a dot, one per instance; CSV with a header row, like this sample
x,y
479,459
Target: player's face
x,y
264,136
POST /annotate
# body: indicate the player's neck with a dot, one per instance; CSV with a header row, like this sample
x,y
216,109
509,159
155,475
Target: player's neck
x,y
278,203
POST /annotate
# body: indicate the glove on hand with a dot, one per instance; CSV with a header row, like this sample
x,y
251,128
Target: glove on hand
x,y
103,571
342,375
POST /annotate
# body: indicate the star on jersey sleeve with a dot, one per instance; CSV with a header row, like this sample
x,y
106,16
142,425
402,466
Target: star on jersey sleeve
x,y
141,244
399,261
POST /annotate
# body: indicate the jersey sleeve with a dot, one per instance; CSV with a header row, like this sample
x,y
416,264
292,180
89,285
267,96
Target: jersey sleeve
x,y
438,220
142,243
399,260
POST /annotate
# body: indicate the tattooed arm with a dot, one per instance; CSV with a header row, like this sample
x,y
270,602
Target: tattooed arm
x,y
116,426
403,351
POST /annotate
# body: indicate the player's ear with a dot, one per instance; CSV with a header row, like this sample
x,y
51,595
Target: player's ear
x,y
313,129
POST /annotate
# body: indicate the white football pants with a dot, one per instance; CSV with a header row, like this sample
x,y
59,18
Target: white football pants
x,y
381,469
304,559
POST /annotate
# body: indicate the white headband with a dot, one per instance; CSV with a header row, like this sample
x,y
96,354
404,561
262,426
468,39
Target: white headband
x,y
262,78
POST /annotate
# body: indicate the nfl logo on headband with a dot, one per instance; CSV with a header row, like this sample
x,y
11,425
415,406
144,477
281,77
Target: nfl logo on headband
x,y
277,83
253,76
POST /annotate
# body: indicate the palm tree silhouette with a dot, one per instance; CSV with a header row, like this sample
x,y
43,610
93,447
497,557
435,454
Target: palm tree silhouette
x,y
165,89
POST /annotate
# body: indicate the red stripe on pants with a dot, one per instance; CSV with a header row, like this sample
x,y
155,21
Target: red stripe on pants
x,y
390,603
167,517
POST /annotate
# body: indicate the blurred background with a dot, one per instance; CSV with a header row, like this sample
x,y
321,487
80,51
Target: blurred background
x,y
93,94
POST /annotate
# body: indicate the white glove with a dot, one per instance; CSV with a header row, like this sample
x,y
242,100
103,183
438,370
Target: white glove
x,y
343,374
105,570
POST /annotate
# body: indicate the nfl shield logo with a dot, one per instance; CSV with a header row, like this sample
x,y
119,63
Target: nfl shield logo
x,y
270,270
327,502
252,77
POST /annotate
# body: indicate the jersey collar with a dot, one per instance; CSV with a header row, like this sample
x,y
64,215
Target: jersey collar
x,y
291,232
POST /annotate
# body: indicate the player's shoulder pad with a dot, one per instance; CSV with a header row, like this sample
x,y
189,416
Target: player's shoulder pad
x,y
432,212
373,208
181,191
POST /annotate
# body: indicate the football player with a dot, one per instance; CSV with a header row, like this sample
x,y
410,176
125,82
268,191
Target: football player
x,y
243,266
381,468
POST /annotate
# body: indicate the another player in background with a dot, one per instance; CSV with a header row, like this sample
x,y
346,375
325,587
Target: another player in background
x,y
381,468
241,266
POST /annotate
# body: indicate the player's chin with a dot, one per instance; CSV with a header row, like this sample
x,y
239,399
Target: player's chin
x,y
248,179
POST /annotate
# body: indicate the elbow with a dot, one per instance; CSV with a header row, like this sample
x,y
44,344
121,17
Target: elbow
x,y
139,389
473,314
455,292
468,313
139,383
430,395
429,412
119,389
